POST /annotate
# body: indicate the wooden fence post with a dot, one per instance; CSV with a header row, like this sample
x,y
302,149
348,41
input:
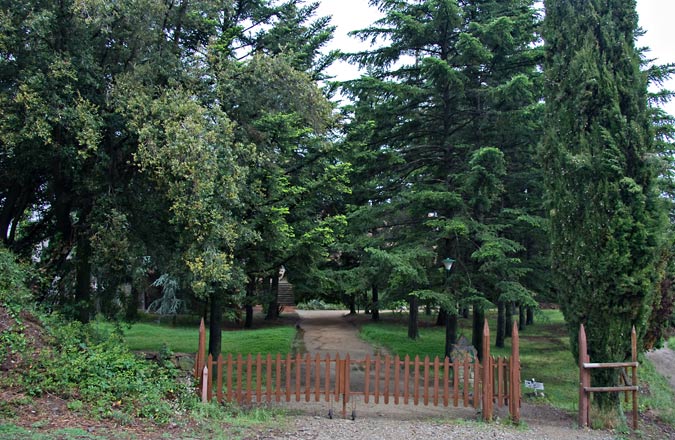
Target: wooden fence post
x,y
345,385
487,373
633,348
199,358
514,378
583,379
205,385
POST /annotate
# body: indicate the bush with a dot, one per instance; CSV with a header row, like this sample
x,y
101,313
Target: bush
x,y
318,304
97,369
14,291
14,297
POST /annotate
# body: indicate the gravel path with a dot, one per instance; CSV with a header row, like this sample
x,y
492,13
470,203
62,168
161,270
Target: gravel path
x,y
333,332
664,362
319,428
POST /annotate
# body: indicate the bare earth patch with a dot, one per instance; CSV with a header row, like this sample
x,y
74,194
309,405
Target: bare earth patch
x,y
664,362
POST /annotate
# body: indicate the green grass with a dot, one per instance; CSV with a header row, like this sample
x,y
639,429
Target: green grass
x,y
152,337
671,343
660,397
544,351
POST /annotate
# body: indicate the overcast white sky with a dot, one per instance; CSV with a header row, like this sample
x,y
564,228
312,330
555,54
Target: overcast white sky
x,y
657,17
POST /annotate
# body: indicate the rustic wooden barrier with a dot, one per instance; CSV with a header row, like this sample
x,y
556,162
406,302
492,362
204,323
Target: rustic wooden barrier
x,y
585,388
386,379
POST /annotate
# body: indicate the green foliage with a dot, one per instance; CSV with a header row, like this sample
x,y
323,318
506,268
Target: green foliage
x,y
15,296
14,277
137,138
608,224
98,370
660,397
441,136
318,304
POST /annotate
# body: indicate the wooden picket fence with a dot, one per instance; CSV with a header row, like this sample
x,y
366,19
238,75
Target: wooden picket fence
x,y
384,379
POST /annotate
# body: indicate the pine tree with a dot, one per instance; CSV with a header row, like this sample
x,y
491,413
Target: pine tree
x,y
607,219
442,124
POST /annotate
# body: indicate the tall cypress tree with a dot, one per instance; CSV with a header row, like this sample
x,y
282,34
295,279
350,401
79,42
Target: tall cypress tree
x,y
606,215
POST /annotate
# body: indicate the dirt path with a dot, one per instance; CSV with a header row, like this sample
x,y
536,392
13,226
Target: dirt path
x,y
330,332
334,331
664,362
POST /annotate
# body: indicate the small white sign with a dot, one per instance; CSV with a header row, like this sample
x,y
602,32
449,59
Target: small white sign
x,y
537,386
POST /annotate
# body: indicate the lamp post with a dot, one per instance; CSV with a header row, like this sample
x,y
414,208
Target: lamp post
x,y
451,319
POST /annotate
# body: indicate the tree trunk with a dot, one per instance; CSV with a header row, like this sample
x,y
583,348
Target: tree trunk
x,y
450,333
501,323
465,312
413,330
521,317
250,295
605,377
530,316
215,324
376,303
273,307
442,318
83,286
132,305
477,334
508,319
352,304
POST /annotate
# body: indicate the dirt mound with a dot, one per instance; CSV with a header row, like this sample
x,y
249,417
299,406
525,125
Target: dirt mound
x,y
23,339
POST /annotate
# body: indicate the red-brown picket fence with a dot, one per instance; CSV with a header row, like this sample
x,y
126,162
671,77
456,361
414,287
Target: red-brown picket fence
x,y
384,379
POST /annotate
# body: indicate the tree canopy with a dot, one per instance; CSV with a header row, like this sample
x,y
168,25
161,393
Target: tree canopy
x,y
191,146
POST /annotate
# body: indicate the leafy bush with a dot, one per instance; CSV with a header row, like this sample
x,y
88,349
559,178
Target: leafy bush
x,y
318,304
14,292
97,369
14,296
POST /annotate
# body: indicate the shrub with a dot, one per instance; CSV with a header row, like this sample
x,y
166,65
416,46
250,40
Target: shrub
x,y
14,292
318,304
100,371
14,296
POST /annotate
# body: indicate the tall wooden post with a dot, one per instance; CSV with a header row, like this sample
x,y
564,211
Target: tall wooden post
x,y
514,382
205,385
199,358
633,348
584,379
487,374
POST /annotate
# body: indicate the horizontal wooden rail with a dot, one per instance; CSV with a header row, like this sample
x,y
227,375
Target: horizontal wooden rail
x,y
610,364
610,389
585,387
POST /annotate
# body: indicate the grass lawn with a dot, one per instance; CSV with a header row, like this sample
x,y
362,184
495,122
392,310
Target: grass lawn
x,y
152,337
544,356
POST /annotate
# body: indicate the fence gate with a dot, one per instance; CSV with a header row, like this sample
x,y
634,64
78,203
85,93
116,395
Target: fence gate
x,y
384,379
585,388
